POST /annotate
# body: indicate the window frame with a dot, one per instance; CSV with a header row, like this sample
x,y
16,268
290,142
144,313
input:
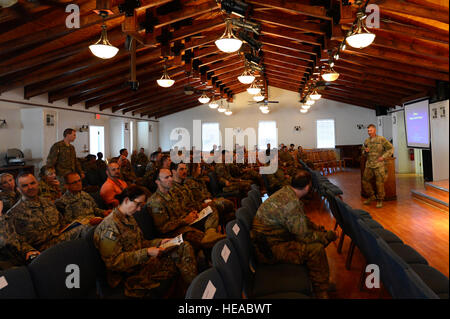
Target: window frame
x,y
220,135
334,132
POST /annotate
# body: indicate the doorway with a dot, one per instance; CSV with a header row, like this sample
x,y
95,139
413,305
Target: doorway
x,y
96,139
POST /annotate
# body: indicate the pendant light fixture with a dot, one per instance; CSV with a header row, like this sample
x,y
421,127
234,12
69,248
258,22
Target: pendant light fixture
x,y
265,110
246,77
221,108
258,97
309,102
306,106
228,42
253,89
203,99
213,104
165,81
228,111
360,37
303,110
330,75
315,95
103,49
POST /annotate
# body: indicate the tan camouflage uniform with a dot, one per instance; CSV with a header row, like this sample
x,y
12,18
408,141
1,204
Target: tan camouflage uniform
x,y
38,224
378,146
8,199
11,252
223,174
50,192
168,215
124,250
78,206
281,233
127,171
277,180
142,159
64,159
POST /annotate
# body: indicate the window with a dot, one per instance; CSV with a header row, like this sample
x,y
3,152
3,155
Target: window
x,y
267,133
96,139
325,134
210,136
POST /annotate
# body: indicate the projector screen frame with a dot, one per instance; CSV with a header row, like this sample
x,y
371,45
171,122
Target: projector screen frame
x,y
429,123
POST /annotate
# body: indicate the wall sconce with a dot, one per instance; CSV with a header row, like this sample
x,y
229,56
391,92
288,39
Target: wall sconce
x,y
297,128
84,128
3,124
360,126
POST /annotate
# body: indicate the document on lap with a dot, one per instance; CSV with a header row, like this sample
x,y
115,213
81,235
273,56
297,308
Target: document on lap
x,y
204,212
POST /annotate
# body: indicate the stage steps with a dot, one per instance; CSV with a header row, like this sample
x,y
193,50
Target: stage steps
x,y
434,193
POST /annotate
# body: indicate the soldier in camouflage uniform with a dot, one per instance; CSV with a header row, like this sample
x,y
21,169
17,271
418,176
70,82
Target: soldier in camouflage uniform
x,y
142,159
76,204
281,233
145,268
228,182
152,167
49,186
126,170
377,149
286,162
36,221
170,219
199,190
278,180
62,156
8,193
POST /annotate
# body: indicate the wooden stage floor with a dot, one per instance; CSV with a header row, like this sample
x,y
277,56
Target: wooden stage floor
x,y
419,225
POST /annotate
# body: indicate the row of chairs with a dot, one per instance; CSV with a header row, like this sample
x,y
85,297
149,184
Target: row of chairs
x,y
235,272
325,161
404,272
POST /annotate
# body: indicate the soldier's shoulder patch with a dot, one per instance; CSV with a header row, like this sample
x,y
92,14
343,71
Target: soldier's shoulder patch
x,y
110,235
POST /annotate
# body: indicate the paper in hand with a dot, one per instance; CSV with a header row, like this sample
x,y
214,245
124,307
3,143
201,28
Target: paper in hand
x,y
176,241
204,212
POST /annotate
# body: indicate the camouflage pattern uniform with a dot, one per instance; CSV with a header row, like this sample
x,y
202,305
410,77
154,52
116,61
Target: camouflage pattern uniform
x,y
64,159
142,159
11,252
127,171
124,250
38,224
225,207
223,174
277,180
281,233
182,194
78,206
8,199
287,163
168,214
378,146
50,192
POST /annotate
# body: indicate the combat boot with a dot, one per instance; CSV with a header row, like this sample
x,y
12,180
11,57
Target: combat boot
x,y
211,237
379,204
369,200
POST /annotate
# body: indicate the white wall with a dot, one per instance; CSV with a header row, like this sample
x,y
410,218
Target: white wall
x,y
10,136
143,137
286,114
27,130
439,140
402,164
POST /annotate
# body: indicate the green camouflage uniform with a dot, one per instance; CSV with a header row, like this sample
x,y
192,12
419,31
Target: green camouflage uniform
x,y
127,172
124,250
378,146
277,180
64,159
142,159
281,233
287,163
50,192
168,216
225,207
38,224
182,194
223,174
9,199
78,206
11,252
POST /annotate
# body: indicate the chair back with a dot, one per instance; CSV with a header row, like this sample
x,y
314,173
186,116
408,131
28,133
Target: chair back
x,y
17,284
256,197
214,186
245,217
249,203
366,240
256,188
145,222
226,260
207,285
66,270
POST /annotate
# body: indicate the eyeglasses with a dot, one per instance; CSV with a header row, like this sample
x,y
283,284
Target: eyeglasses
x,y
139,204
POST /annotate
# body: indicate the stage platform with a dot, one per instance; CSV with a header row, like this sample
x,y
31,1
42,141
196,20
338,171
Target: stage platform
x,y
434,193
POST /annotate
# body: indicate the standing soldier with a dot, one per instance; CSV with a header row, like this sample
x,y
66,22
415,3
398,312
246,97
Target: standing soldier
x,y
377,149
126,170
62,156
142,159
281,233
146,269
8,193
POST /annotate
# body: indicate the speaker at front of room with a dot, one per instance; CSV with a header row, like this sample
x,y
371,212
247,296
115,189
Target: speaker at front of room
x,y
381,110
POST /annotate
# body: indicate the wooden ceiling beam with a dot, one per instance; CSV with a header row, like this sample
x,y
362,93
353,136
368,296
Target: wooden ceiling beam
x,y
289,45
289,53
289,21
291,35
178,101
380,97
375,85
286,59
346,100
294,7
354,96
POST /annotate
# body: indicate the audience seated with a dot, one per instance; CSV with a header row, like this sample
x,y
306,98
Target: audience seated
x,y
49,185
112,186
146,269
8,194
